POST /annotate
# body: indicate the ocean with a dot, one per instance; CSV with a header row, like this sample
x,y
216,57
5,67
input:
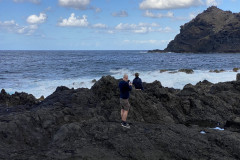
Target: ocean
x,y
40,72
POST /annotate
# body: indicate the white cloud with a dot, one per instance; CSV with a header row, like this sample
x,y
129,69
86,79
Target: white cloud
x,y
77,4
73,21
141,28
110,31
120,14
169,4
48,8
32,1
98,10
133,28
211,3
13,27
191,16
158,15
165,29
100,25
34,19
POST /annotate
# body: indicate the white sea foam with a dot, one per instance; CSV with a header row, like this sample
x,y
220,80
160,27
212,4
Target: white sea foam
x,y
47,87
177,80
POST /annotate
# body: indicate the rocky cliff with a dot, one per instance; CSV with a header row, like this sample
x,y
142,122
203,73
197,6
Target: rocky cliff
x,y
166,123
213,31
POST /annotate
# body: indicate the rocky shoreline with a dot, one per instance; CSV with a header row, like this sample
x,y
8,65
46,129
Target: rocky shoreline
x,y
166,123
191,71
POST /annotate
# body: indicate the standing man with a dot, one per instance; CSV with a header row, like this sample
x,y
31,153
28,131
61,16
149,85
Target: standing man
x,y
137,82
125,86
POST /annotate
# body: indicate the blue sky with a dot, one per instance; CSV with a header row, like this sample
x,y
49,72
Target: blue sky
x,y
97,24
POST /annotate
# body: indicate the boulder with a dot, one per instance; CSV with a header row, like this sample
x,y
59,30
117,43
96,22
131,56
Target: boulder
x,y
163,70
17,99
238,77
188,71
235,69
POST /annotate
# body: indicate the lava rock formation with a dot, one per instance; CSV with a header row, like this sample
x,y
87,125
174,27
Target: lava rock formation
x,y
213,31
85,123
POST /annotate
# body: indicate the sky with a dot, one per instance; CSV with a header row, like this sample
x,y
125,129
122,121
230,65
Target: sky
x,y
97,24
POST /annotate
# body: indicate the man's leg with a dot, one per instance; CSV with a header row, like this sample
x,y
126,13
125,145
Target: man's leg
x,y
124,115
124,112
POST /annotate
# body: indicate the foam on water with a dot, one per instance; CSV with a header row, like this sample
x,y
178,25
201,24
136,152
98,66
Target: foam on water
x,y
47,87
177,80
180,79
40,72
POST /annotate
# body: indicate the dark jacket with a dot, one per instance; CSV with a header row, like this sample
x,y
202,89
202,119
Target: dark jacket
x,y
137,82
124,89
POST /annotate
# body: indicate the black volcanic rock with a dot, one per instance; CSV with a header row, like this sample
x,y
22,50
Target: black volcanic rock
x,y
16,99
85,123
238,77
156,51
188,71
213,31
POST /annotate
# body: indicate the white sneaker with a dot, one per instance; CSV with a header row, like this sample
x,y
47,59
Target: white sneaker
x,y
126,125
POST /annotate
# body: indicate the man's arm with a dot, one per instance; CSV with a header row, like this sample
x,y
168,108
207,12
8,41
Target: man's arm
x,y
127,87
134,82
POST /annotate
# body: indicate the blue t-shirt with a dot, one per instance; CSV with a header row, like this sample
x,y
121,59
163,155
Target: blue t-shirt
x,y
137,82
124,89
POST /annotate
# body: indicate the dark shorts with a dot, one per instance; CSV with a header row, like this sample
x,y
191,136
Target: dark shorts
x,y
124,104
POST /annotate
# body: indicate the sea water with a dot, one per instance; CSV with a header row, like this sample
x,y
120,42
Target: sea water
x,y
40,72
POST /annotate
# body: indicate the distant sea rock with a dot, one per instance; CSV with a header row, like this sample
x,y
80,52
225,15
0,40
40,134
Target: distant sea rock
x,y
213,31
156,50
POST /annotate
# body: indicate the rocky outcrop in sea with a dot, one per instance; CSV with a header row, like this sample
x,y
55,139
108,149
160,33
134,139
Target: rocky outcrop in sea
x,y
166,123
213,31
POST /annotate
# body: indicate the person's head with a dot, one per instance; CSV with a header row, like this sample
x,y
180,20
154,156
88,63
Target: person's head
x,y
136,75
125,77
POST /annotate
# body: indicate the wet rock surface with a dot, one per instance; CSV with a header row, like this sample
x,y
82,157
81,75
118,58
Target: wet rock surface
x,y
188,71
213,31
85,123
